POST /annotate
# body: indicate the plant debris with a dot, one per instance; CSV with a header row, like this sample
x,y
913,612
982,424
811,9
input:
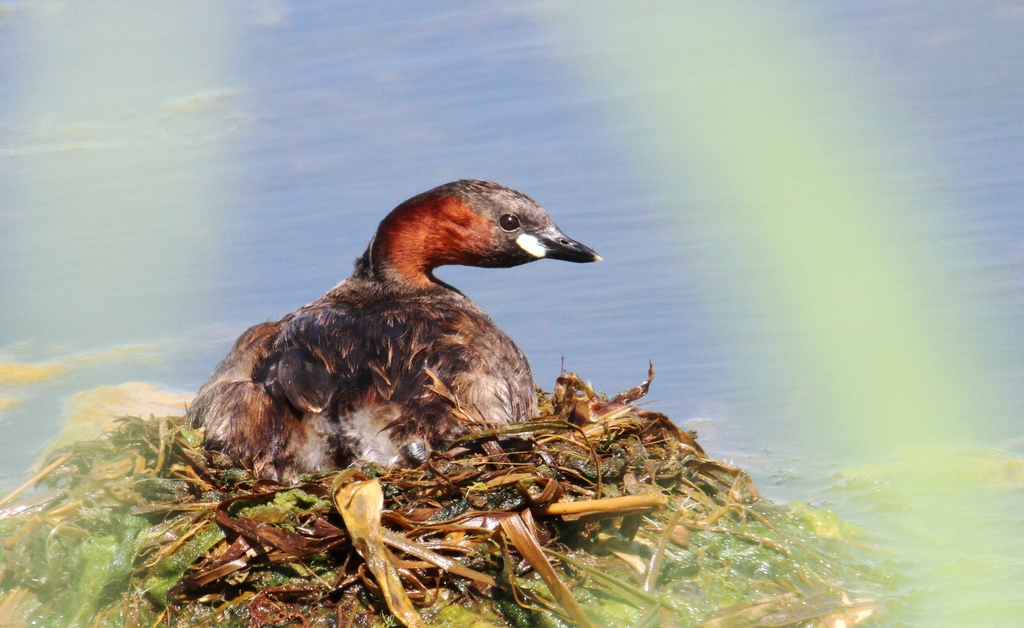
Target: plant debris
x,y
597,513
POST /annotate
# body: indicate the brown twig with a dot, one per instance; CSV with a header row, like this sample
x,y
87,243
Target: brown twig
x,y
616,506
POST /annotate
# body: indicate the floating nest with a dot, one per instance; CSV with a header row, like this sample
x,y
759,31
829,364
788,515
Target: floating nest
x,y
598,513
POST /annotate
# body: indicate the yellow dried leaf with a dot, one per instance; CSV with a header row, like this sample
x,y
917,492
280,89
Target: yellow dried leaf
x,y
360,505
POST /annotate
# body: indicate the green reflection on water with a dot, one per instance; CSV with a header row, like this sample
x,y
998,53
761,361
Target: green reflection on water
x,y
749,104
120,129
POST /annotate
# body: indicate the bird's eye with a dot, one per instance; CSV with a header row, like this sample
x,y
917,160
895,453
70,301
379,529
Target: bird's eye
x,y
509,222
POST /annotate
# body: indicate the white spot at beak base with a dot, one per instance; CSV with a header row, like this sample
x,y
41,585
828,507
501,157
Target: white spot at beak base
x,y
531,245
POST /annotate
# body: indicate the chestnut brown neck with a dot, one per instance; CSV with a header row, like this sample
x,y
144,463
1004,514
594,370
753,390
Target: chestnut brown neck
x,y
422,234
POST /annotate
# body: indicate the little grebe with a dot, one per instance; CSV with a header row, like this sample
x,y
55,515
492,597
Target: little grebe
x,y
392,362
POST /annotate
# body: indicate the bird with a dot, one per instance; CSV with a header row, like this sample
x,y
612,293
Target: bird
x,y
392,363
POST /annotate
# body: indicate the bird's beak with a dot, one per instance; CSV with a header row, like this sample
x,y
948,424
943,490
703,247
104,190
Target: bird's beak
x,y
554,244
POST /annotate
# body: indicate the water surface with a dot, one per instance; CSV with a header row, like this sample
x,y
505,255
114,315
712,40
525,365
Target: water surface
x,y
810,218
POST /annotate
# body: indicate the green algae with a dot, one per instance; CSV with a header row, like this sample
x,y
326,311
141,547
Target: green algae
x,y
825,523
168,572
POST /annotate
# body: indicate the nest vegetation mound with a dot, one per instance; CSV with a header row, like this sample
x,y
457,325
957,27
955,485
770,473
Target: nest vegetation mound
x,y
597,513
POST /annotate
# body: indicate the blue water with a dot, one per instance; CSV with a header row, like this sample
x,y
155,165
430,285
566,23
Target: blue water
x,y
328,116
313,119
170,175
334,116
